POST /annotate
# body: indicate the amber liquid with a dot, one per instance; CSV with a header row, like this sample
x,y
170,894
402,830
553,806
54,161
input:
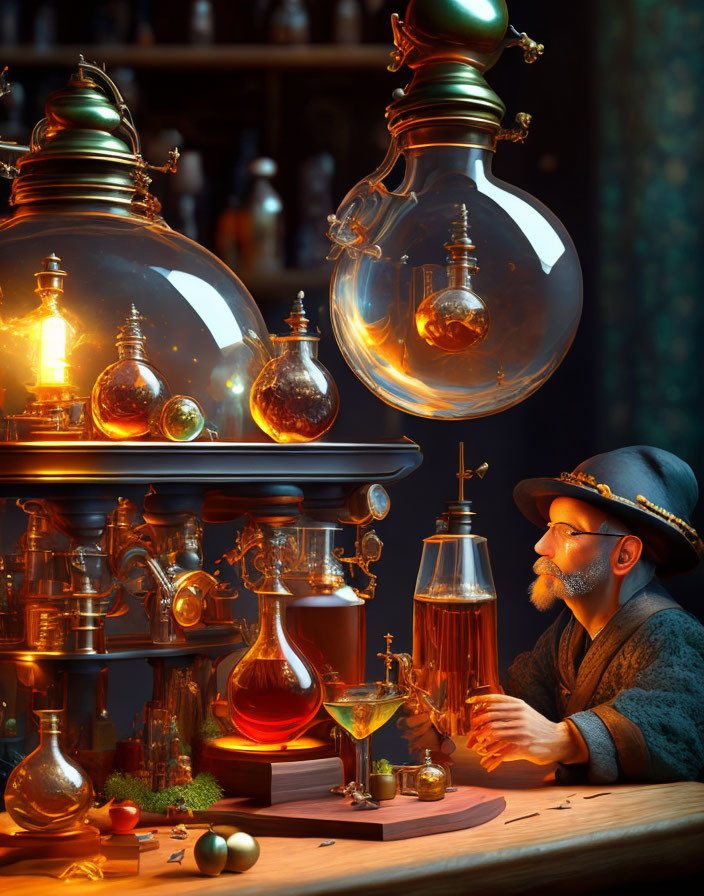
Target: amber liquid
x,y
361,717
331,635
267,706
454,652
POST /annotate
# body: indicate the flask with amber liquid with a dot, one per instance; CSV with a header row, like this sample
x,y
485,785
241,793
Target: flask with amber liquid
x,y
129,395
294,398
274,692
454,616
325,615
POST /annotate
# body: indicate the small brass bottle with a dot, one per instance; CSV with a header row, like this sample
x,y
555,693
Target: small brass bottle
x,y
431,781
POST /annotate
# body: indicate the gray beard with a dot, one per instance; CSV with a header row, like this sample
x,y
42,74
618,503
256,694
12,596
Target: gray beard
x,y
573,584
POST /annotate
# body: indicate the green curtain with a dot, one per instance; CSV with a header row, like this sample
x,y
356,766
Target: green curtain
x,y
650,102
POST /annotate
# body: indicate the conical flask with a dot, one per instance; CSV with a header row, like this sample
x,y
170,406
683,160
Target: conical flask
x,y
274,692
48,791
454,617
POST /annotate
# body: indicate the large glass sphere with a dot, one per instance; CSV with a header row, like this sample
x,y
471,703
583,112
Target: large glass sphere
x,y
203,332
455,295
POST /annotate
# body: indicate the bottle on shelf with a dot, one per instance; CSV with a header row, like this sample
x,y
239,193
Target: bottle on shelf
x,y
230,228
10,23
111,21
44,26
201,23
143,28
289,23
189,185
347,22
263,248
315,195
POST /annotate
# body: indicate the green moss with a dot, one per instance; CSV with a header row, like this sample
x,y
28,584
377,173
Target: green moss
x,y
381,767
210,729
201,793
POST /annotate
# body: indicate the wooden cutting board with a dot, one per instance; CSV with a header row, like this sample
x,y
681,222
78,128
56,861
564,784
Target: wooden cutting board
x,y
332,816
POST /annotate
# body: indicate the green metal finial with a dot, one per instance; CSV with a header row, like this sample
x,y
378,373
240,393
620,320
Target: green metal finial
x,y
86,152
450,44
459,21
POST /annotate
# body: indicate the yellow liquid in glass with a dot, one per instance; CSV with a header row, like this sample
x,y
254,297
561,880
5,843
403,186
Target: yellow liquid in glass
x,y
362,716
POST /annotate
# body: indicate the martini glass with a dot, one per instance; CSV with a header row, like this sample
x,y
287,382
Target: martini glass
x,y
360,709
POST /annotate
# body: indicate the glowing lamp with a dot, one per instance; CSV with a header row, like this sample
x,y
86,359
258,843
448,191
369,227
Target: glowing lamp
x,y
54,334
454,294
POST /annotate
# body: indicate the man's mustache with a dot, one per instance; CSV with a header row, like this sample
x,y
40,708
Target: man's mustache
x,y
544,566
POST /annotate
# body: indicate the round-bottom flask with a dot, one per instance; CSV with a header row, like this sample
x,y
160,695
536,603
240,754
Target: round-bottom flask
x,y
129,395
273,693
48,791
294,398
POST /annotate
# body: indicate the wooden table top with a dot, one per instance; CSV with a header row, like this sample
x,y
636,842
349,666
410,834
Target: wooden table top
x,y
626,834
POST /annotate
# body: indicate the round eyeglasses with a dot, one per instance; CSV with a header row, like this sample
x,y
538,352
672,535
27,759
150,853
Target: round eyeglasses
x,y
567,531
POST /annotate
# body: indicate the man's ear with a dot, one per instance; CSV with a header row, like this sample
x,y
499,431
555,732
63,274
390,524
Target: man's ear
x,y
626,554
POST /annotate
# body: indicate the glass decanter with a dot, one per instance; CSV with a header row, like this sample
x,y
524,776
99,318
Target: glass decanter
x,y
48,791
294,398
129,395
274,692
454,616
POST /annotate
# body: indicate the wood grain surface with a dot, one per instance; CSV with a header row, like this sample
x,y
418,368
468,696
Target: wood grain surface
x,y
630,834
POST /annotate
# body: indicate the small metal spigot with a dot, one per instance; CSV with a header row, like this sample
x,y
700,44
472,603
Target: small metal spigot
x,y
387,657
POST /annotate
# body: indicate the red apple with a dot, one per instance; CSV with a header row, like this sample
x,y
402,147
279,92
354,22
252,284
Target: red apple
x,y
124,815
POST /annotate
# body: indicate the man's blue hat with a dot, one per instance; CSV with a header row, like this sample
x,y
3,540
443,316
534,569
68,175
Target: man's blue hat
x,y
653,492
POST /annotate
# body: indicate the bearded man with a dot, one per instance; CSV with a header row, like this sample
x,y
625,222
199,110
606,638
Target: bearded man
x,y
614,689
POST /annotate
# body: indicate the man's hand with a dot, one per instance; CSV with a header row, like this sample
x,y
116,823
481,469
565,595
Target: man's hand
x,y
505,729
422,735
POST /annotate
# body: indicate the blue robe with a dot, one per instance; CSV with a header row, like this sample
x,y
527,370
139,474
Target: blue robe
x,y
636,693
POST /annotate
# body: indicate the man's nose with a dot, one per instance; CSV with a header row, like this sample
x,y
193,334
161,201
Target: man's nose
x,y
544,545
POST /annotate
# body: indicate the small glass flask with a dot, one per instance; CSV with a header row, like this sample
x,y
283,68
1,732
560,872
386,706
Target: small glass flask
x,y
294,398
454,318
48,791
263,231
129,395
431,781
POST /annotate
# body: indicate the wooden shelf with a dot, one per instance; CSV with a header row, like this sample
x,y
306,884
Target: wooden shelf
x,y
216,56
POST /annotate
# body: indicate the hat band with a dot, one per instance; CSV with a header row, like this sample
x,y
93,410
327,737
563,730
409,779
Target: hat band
x,y
587,481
